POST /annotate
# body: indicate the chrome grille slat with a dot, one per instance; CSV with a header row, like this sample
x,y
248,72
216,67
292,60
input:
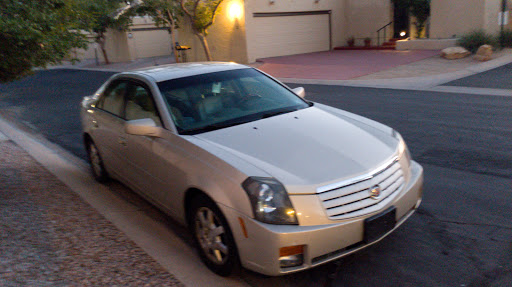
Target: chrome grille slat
x,y
368,202
361,196
340,192
364,211
347,199
357,187
393,187
390,180
355,199
387,173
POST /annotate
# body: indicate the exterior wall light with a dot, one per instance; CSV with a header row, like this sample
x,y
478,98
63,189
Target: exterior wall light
x,y
235,11
402,34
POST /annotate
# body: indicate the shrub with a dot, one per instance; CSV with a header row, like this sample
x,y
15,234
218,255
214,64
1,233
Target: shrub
x,y
507,39
473,40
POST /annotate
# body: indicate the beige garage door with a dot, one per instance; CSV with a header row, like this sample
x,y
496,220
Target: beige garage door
x,y
289,35
151,43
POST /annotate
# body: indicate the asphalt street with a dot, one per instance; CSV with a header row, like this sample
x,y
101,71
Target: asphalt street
x,y
498,78
49,103
460,236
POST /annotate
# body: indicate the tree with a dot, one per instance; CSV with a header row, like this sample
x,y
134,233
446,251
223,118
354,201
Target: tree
x,y
101,15
201,14
164,13
35,33
420,9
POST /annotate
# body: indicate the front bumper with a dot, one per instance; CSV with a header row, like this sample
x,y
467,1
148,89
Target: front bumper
x,y
259,243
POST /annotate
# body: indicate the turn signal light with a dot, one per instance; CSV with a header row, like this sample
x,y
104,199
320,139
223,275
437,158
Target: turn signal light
x,y
291,250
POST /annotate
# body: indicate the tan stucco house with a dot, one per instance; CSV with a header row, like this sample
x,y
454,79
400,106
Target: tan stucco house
x,y
248,30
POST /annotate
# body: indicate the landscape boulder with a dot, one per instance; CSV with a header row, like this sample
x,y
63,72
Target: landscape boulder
x,y
453,53
484,53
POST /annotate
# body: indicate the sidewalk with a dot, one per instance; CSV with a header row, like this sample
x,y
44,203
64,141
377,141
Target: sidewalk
x,y
435,65
50,237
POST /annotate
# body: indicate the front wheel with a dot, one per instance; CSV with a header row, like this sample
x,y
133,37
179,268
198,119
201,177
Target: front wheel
x,y
213,237
98,169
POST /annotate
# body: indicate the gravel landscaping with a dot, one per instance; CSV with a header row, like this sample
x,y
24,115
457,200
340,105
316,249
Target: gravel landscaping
x,y
50,237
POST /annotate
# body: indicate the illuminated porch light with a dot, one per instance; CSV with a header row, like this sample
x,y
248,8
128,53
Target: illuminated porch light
x,y
235,11
402,34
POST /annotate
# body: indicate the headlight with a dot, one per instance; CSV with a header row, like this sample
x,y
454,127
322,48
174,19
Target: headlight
x,y
270,201
402,148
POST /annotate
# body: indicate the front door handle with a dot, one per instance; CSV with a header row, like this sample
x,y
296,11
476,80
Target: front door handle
x,y
122,141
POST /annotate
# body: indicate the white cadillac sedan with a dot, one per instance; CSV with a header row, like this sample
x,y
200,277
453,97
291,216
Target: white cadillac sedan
x,y
262,177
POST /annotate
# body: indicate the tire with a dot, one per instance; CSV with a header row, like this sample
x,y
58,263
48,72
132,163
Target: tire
x,y
213,238
98,169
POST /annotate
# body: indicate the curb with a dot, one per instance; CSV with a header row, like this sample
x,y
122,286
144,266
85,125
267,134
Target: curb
x,y
3,137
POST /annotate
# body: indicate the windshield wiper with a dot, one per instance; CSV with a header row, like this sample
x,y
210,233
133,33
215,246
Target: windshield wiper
x,y
278,112
215,126
238,121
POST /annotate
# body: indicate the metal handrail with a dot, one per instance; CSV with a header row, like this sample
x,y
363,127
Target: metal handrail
x,y
382,28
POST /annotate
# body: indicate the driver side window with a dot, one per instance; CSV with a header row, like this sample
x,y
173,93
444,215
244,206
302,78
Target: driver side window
x,y
140,105
112,101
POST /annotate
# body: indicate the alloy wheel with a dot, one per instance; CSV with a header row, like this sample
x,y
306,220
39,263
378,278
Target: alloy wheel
x,y
211,236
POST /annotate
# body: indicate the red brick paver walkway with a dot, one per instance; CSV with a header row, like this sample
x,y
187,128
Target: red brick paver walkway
x,y
340,65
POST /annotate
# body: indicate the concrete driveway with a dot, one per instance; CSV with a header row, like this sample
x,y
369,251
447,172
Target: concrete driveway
x,y
339,65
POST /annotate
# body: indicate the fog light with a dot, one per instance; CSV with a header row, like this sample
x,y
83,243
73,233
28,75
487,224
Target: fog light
x,y
291,261
291,256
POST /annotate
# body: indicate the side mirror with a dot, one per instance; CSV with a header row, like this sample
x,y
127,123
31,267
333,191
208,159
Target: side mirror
x,y
299,91
142,127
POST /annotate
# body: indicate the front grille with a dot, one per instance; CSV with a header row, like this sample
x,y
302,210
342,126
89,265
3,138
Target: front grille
x,y
355,199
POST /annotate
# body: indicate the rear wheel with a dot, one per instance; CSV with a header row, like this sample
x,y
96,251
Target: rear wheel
x,y
97,167
213,237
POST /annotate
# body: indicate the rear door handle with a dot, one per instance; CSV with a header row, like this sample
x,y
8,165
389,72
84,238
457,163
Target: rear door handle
x,y
95,124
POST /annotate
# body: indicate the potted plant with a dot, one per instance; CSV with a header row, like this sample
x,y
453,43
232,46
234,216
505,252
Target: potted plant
x,y
367,42
351,41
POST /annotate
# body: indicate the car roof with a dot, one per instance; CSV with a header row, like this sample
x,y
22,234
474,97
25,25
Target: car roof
x,y
174,71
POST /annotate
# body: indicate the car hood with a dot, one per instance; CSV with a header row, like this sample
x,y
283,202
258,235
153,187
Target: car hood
x,y
307,148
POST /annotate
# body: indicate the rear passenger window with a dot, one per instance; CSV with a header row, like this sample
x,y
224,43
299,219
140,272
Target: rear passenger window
x,y
112,100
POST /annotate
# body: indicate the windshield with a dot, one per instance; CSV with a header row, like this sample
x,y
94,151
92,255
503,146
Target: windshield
x,y
217,100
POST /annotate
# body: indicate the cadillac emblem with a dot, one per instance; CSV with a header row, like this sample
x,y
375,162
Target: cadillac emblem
x,y
375,192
